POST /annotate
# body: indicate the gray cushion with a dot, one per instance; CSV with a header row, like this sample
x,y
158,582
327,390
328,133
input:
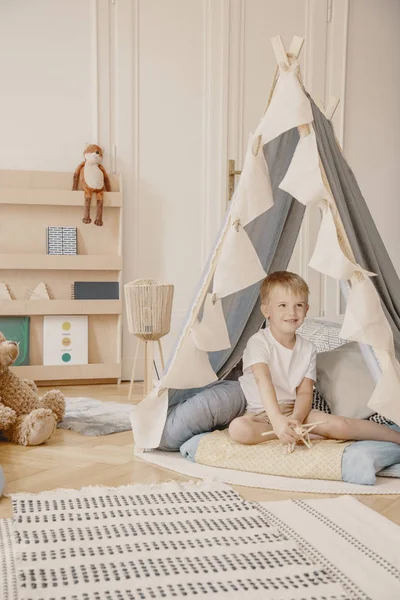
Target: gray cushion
x,y
345,382
212,408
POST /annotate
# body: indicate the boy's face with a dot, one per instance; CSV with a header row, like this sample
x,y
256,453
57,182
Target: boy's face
x,y
285,309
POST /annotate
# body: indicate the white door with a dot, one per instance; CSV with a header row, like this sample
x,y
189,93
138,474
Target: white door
x,y
192,79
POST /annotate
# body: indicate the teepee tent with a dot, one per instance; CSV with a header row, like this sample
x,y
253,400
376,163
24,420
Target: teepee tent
x,y
293,160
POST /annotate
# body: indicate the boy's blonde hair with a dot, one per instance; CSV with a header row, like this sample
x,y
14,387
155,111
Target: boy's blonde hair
x,y
285,279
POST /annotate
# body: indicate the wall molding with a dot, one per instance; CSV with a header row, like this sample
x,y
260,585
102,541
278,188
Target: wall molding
x,y
314,81
215,119
236,84
335,85
95,73
124,41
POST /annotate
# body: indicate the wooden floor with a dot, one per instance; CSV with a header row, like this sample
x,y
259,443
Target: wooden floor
x,y
71,460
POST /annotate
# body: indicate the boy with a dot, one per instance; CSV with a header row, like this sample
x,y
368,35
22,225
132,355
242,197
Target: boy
x,y
279,374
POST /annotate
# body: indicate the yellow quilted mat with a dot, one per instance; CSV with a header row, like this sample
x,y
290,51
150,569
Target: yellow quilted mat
x,y
322,461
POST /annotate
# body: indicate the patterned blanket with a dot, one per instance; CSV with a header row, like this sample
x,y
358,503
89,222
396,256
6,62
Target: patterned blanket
x,y
217,449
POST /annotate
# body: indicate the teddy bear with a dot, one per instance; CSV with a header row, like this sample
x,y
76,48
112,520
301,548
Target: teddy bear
x,y
94,179
25,418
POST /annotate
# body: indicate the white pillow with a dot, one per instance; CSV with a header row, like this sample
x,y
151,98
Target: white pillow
x,y
323,334
345,382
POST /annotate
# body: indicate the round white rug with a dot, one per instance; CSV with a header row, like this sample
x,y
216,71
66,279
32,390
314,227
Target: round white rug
x,y
174,461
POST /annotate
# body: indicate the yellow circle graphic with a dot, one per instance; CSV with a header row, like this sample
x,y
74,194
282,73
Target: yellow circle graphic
x,y
66,325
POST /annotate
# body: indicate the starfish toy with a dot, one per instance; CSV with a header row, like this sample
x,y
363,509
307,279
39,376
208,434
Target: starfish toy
x,y
304,432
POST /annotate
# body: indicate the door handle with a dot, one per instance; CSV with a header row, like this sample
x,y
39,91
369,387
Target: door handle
x,y
231,178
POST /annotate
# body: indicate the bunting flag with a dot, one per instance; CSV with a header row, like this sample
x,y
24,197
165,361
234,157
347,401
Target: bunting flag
x,y
190,367
253,193
364,320
289,106
238,265
211,334
328,257
148,418
385,397
303,178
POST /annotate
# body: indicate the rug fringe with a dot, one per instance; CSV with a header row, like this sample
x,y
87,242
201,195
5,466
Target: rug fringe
x,y
201,485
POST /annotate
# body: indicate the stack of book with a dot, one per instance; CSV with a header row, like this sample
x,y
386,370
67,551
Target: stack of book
x,y
95,290
61,240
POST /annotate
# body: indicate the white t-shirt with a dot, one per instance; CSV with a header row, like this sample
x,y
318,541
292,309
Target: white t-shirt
x,y
288,367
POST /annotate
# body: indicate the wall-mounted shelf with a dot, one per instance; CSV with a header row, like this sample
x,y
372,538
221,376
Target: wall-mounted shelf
x,y
30,201
81,262
54,197
65,372
60,307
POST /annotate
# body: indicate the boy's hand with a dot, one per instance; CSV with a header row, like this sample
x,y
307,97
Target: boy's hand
x,y
284,429
295,422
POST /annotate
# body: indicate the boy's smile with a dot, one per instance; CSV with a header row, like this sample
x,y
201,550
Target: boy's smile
x,y
286,311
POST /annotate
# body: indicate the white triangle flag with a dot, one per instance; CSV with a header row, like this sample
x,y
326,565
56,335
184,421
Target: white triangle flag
x,y
190,367
148,418
40,292
4,293
289,107
238,266
253,195
385,398
211,334
364,319
303,178
328,257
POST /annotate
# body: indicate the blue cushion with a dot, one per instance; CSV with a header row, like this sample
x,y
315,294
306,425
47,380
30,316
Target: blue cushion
x,y
189,448
392,471
212,408
363,460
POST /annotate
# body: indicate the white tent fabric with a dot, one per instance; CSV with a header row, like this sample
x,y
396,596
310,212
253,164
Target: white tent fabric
x,y
148,419
289,106
303,179
387,385
211,334
364,320
191,368
235,265
254,188
238,266
328,257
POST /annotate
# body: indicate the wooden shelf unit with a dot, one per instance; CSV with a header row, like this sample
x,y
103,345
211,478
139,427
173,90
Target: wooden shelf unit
x,y
68,372
29,202
60,307
80,262
54,197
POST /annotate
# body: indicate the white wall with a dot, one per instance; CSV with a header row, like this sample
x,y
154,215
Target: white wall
x,y
372,113
47,77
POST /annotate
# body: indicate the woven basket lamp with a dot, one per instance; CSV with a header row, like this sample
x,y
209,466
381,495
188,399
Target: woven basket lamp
x,y
148,309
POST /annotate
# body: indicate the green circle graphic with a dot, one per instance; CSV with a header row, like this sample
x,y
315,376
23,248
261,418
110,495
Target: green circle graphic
x,y
66,357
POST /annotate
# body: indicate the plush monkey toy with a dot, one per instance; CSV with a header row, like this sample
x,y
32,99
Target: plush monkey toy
x,y
94,179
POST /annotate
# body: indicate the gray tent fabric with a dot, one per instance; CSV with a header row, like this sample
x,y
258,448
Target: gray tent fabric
x,y
273,235
365,241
